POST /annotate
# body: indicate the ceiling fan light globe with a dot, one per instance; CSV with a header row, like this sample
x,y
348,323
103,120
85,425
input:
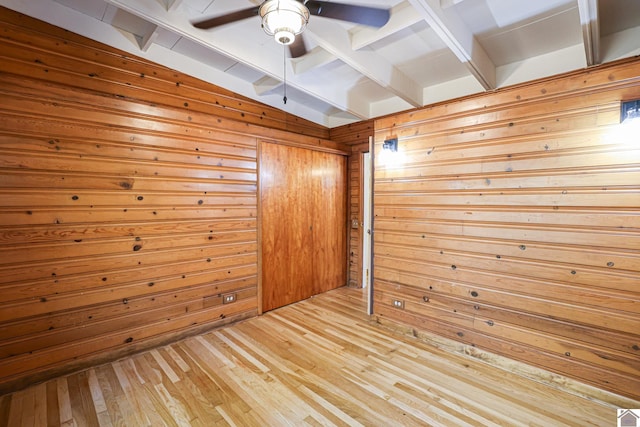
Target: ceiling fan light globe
x,y
284,37
283,19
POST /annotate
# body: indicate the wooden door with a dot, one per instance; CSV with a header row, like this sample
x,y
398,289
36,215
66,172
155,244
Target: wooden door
x,y
329,221
287,240
303,216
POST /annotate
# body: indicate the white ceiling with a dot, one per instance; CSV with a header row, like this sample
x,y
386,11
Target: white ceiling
x,y
429,51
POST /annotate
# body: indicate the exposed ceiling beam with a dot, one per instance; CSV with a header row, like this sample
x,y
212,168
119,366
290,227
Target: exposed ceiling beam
x,y
148,39
266,85
459,39
448,3
403,15
154,12
172,4
314,59
335,40
590,30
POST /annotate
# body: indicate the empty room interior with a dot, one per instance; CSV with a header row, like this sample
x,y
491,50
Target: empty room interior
x,y
340,213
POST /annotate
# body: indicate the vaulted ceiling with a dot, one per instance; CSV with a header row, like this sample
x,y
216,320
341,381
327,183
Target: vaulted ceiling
x,y
429,51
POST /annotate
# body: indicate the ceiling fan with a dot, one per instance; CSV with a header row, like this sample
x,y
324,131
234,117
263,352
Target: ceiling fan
x,y
286,19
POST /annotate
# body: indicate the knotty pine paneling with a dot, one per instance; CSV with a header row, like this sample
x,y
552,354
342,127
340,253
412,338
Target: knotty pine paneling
x,y
354,134
356,215
511,222
128,201
56,55
357,136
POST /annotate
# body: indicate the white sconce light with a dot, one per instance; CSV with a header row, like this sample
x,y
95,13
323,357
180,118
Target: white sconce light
x,y
390,145
390,156
630,111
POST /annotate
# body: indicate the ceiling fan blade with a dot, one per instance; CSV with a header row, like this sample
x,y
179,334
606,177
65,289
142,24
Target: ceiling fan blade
x,y
365,15
227,19
297,48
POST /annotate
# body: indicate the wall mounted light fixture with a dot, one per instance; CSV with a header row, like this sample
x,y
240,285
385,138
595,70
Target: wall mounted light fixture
x,y
630,110
390,145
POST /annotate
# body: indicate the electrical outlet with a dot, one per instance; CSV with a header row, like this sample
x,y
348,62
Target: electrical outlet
x,y
229,298
398,304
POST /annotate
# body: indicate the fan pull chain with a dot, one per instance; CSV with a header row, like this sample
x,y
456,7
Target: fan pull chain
x,y
284,69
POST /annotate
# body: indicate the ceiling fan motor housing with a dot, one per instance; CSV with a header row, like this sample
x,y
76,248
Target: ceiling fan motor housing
x,y
284,19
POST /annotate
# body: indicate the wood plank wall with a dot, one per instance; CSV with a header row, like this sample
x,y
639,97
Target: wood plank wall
x,y
513,225
128,203
356,216
357,136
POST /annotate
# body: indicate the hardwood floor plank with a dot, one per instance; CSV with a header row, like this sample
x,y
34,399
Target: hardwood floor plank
x,y
64,402
16,410
149,376
199,410
327,382
176,409
110,399
28,407
40,409
322,361
134,410
231,402
329,413
5,408
177,359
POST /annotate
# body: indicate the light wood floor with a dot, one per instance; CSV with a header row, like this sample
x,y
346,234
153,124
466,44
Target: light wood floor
x,y
318,362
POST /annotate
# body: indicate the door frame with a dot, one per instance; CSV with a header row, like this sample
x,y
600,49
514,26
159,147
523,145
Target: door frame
x,y
367,235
